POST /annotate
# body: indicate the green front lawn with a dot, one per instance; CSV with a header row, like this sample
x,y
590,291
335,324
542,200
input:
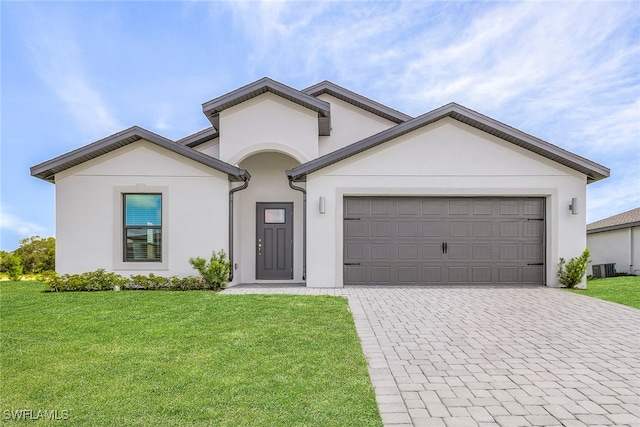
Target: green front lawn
x,y
623,289
154,358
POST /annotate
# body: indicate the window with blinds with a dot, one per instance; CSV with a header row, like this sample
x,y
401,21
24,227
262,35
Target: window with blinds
x,y
142,227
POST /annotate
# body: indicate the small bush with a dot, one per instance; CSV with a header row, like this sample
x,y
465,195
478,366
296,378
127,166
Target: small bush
x,y
215,272
571,273
98,280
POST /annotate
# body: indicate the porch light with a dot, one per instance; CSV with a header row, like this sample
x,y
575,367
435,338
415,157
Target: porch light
x,y
321,205
573,207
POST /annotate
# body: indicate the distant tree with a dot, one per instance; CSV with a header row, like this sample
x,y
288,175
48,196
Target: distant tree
x,y
15,269
38,254
5,261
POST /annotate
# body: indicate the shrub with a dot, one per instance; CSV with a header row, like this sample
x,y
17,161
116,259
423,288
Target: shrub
x,y
98,280
571,273
215,273
14,269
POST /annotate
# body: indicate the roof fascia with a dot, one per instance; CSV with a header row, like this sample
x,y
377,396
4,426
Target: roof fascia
x,y
47,170
592,170
199,137
614,227
357,100
212,109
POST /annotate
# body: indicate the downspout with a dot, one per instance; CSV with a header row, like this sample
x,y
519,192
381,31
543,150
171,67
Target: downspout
x,y
245,178
304,226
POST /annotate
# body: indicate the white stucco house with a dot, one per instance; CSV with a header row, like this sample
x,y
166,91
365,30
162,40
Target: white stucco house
x,y
326,187
616,240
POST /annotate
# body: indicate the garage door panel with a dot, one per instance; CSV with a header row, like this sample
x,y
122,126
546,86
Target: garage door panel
x,y
407,252
380,275
357,206
533,207
356,252
381,228
431,229
532,274
409,206
356,275
482,229
408,229
508,275
509,207
433,207
482,252
459,207
381,207
483,207
380,252
431,240
408,274
432,251
458,251
355,229
431,274
458,274
459,229
482,274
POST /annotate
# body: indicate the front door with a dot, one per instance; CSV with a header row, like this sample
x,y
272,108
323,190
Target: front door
x,y
274,241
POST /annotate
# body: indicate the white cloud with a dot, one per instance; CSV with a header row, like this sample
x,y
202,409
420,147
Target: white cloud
x,y
58,59
18,225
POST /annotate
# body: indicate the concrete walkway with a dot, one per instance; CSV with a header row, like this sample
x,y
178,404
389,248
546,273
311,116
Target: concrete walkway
x,y
494,356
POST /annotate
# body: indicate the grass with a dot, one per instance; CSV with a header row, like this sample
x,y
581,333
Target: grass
x,y
142,358
623,290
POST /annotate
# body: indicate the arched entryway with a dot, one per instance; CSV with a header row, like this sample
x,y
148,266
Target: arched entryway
x,y
268,222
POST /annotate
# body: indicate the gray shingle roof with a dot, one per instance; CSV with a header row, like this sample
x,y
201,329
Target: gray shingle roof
x,y
213,108
357,100
622,220
593,170
47,170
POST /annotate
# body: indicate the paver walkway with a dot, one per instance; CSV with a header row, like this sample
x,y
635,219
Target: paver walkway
x,y
495,356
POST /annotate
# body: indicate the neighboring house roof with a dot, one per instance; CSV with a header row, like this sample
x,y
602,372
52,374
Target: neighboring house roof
x,y
213,108
623,220
593,170
47,170
357,100
199,137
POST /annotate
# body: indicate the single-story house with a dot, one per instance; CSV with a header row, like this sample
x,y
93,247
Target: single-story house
x,y
327,187
616,240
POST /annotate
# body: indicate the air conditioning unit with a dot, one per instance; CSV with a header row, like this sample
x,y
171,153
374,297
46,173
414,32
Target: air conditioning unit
x,y
604,270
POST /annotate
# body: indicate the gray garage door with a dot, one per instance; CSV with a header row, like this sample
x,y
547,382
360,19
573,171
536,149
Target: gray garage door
x,y
444,240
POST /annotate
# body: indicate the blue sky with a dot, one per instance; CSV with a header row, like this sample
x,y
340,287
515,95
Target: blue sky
x,y
75,72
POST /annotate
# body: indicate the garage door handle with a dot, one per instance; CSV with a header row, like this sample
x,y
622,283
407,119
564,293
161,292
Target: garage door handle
x,y
351,263
445,247
536,263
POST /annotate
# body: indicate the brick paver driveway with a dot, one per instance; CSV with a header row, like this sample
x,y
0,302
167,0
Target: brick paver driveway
x,y
467,356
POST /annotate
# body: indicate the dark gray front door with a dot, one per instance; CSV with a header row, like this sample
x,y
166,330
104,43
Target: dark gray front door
x,y
441,240
274,241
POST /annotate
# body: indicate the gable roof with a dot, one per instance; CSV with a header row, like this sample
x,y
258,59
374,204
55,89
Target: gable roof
x,y
212,108
357,100
593,170
622,220
47,170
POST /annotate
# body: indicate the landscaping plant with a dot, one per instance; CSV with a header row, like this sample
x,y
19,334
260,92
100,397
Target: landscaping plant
x,y
571,273
215,273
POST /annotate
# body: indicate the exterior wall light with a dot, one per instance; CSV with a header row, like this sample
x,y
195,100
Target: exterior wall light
x,y
573,207
321,205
